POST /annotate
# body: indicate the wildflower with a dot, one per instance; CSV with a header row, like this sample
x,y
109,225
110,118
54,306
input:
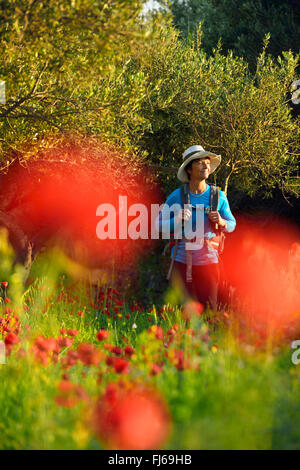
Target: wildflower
x,y
4,284
70,359
134,326
72,332
116,350
70,394
171,332
129,351
11,339
190,332
67,402
88,354
134,418
155,369
109,360
80,313
121,366
64,342
180,363
102,334
157,331
65,386
45,344
192,309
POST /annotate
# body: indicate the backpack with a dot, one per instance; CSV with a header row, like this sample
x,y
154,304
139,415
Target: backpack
x,y
217,241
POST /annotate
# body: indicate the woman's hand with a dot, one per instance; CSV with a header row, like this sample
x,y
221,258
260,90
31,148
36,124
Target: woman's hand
x,y
183,214
215,217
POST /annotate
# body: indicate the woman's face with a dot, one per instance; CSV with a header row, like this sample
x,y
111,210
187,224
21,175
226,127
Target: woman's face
x,y
200,168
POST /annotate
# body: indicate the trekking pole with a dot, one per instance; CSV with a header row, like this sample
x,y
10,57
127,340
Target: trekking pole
x,y
172,261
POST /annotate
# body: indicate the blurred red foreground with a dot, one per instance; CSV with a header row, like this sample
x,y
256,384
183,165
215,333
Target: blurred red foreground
x,y
131,417
54,198
263,265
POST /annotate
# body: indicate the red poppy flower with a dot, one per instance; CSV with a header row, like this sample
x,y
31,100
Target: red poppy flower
x,y
116,350
4,284
157,331
65,386
155,369
88,354
72,332
70,394
102,334
67,402
129,351
11,339
64,342
70,359
109,360
134,419
45,344
121,366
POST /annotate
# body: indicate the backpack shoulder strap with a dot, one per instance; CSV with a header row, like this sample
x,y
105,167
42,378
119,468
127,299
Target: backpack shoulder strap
x,y
184,194
214,198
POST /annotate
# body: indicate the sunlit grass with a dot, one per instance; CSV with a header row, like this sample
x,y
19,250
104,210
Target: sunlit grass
x,y
221,392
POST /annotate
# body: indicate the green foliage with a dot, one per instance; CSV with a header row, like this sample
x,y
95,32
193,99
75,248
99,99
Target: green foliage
x,y
215,101
241,25
13,274
65,65
96,68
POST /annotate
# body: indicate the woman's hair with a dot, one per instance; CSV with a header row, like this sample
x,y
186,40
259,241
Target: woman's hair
x,y
189,165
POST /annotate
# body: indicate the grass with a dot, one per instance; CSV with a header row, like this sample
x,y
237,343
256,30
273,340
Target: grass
x,y
221,392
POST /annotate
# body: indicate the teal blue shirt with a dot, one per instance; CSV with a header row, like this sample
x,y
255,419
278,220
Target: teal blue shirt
x,y
166,221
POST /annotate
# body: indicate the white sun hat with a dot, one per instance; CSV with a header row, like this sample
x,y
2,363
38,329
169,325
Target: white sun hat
x,y
193,153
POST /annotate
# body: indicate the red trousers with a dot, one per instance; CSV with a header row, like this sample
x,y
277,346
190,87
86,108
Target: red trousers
x,y
204,286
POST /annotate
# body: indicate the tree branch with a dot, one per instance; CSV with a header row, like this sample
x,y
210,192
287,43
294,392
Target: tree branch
x,y
37,117
19,102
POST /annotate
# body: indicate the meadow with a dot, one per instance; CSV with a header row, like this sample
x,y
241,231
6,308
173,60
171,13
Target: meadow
x,y
102,371
92,93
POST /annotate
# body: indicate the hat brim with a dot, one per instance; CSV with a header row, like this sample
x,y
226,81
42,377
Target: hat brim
x,y
215,162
